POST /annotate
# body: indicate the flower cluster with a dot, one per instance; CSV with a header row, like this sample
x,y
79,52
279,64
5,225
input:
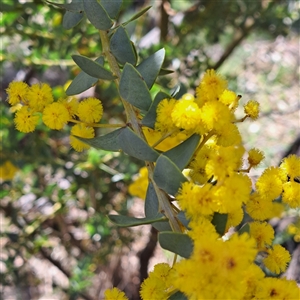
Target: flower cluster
x,y
32,103
224,267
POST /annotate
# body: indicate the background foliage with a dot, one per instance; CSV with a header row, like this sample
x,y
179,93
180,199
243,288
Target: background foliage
x,y
53,213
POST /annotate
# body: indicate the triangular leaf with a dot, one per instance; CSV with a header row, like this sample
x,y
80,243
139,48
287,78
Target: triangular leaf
x,y
167,175
219,221
137,15
83,81
150,67
71,19
92,68
74,6
152,209
244,228
176,242
112,7
97,15
125,221
121,47
164,72
182,154
124,139
134,146
109,142
133,88
182,218
150,118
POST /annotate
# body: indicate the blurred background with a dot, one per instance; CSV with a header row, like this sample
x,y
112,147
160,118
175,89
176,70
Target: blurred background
x,y
56,241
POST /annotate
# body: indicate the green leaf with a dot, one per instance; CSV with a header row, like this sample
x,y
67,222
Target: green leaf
x,y
97,15
123,139
178,296
74,6
176,242
182,154
71,19
219,221
83,81
150,67
112,7
244,228
152,209
182,218
92,68
121,47
167,175
150,118
108,142
135,146
125,221
136,16
133,88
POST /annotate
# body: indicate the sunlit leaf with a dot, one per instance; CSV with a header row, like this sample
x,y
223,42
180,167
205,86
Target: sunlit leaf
x,y
176,242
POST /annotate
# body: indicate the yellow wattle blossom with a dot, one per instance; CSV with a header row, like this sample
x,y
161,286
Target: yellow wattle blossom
x,y
230,99
164,122
253,276
228,135
114,294
158,285
139,187
269,184
291,194
26,120
7,171
83,131
39,96
251,109
277,288
277,259
90,110
259,208
55,115
196,200
210,88
291,166
71,104
186,115
263,233
235,218
255,156
17,92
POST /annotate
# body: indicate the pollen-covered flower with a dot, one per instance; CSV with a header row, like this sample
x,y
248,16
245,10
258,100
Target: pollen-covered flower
x,y
17,92
230,99
251,109
55,116
25,120
71,104
291,166
39,96
291,194
259,208
216,115
277,259
186,115
114,294
255,156
228,135
235,217
90,110
164,122
211,87
7,171
157,285
196,200
269,184
83,131
263,233
270,288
